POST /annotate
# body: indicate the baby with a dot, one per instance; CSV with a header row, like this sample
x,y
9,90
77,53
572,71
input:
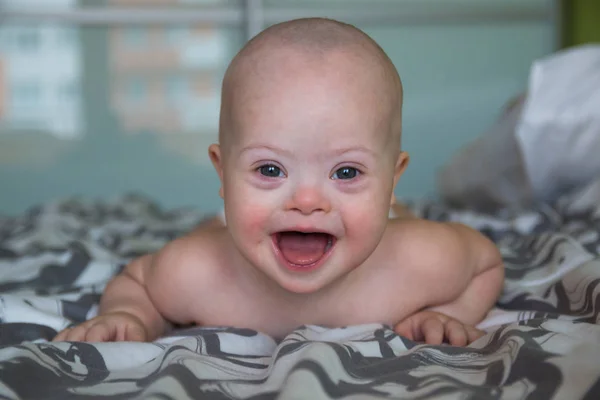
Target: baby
x,y
308,158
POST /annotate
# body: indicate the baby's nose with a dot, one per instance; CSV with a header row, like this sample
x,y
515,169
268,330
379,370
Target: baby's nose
x,y
308,200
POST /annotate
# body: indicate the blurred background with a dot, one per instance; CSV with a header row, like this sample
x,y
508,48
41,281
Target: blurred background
x,y
103,97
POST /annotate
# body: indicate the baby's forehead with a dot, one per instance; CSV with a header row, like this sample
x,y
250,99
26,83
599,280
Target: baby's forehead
x,y
313,98
324,125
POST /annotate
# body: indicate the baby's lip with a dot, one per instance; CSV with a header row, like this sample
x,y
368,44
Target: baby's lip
x,y
277,235
305,229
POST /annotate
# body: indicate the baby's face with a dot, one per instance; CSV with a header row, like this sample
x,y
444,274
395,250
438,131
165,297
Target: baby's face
x,y
308,174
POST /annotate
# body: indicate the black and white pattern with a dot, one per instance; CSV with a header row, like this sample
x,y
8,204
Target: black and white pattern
x,y
542,342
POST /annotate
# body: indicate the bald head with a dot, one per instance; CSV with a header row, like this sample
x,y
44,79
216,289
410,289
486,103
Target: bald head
x,y
315,35
313,42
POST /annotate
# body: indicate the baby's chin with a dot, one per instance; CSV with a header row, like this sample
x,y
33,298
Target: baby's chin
x,y
318,282
303,286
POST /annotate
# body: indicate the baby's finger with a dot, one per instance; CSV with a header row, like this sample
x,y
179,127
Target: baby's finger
x,y
135,333
98,333
432,330
456,333
473,333
404,329
76,334
60,337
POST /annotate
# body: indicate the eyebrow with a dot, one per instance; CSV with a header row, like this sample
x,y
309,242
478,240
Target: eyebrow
x,y
266,147
357,149
338,152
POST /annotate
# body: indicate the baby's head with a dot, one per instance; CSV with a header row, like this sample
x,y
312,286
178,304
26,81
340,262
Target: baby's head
x,y
309,150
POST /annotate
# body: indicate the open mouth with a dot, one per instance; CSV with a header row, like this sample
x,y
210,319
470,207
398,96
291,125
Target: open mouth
x,y
303,249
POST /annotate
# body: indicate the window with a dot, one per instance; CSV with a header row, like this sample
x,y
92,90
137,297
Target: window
x,y
176,34
67,92
25,94
136,90
135,36
177,88
65,36
27,40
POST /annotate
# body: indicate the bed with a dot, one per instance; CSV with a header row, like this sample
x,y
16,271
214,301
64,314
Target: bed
x,y
542,340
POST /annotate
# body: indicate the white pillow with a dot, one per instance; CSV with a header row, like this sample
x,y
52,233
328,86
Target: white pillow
x,y
559,130
546,143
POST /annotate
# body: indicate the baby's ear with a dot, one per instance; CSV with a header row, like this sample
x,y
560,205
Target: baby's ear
x,y
401,164
214,152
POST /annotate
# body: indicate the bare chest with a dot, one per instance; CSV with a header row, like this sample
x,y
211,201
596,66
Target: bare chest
x,y
372,298
251,309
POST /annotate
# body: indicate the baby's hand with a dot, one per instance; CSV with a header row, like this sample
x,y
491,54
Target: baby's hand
x,y
435,328
112,327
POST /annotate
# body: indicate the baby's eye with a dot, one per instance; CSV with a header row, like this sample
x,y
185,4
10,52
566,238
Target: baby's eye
x,y
346,173
270,170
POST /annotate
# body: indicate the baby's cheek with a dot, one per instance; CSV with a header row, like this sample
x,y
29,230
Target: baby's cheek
x,y
253,219
364,226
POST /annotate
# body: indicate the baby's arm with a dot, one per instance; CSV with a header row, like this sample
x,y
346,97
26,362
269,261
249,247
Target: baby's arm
x,y
126,312
481,261
128,293
463,275
138,304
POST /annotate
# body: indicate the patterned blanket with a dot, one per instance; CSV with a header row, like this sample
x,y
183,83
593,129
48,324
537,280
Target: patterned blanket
x,y
542,342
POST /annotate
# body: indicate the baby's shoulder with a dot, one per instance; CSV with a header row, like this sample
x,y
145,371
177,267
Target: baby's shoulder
x,y
195,255
183,275
426,232
423,245
416,232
